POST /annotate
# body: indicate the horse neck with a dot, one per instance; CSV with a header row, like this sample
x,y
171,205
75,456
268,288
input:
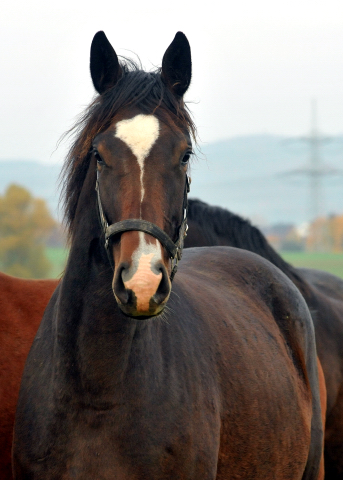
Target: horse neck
x,y
93,336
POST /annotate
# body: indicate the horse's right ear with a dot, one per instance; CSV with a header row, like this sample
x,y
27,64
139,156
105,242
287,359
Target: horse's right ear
x,y
104,64
177,65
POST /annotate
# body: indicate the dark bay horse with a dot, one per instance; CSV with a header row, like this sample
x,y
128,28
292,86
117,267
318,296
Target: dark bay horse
x,y
22,304
329,284
323,293
136,372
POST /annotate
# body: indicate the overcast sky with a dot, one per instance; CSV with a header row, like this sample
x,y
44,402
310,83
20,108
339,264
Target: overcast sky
x,y
256,64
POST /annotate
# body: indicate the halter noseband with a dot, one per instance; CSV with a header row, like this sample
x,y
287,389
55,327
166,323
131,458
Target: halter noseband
x,y
174,249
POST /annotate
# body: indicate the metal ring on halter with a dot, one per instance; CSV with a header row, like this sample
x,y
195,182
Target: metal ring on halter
x,y
174,249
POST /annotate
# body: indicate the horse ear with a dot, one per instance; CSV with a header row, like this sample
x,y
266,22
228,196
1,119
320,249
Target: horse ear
x,y
104,64
177,65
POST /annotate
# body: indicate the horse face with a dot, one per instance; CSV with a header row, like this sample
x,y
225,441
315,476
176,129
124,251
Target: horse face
x,y
142,164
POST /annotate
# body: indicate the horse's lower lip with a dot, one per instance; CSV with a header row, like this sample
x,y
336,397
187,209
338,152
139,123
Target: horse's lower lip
x,y
132,312
140,318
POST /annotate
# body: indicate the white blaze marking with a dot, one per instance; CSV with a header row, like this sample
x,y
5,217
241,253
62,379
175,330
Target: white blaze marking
x,y
145,280
145,248
139,133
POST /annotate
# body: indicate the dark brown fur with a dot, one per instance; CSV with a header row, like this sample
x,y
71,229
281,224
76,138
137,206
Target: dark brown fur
x,y
159,392
323,293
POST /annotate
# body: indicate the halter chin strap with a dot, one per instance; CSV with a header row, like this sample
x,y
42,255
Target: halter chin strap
x,y
174,249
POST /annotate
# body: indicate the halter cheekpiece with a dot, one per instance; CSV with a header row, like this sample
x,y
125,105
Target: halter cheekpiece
x,y
174,249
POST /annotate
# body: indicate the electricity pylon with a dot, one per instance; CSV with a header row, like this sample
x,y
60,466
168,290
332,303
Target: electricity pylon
x,y
315,170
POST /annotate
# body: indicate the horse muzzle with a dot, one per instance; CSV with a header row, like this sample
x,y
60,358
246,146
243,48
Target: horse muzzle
x,y
141,290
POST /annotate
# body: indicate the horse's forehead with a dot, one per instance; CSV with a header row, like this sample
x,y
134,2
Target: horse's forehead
x,y
139,133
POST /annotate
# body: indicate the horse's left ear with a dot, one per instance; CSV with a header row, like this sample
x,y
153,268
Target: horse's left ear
x,y
177,65
104,64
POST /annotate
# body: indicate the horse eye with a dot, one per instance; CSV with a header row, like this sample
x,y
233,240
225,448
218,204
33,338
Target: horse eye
x,y
98,158
186,158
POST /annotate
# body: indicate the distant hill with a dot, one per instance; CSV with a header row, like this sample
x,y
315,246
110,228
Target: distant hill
x,y
243,174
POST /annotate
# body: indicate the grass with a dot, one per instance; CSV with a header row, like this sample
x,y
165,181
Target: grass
x,y
329,262
57,257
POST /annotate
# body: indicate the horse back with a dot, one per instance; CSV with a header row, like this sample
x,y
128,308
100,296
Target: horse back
x,y
268,313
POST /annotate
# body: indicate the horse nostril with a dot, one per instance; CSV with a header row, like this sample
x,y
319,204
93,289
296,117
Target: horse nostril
x,y
163,289
118,286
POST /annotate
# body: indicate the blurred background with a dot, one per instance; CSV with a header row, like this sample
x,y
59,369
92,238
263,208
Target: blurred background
x,y
266,96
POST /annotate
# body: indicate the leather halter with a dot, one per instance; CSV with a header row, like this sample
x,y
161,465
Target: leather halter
x,y
174,249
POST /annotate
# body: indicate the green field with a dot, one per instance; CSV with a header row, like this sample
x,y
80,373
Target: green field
x,y
57,257
329,262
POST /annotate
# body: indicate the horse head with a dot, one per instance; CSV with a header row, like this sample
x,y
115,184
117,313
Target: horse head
x,y
142,159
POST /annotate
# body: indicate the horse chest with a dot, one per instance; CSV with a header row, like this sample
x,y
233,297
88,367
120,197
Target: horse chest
x,y
141,438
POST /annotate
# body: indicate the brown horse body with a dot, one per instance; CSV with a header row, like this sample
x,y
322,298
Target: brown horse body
x,y
131,378
22,304
323,294
163,411
325,282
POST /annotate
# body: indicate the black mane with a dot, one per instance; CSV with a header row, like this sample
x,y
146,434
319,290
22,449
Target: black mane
x,y
239,233
145,90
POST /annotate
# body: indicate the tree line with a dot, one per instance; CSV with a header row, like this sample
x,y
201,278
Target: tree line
x,y
25,226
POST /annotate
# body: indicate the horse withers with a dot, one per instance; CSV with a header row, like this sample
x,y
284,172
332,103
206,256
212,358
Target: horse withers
x,y
140,370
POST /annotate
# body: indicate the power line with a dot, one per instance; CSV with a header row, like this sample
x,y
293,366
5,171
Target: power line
x,y
315,170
